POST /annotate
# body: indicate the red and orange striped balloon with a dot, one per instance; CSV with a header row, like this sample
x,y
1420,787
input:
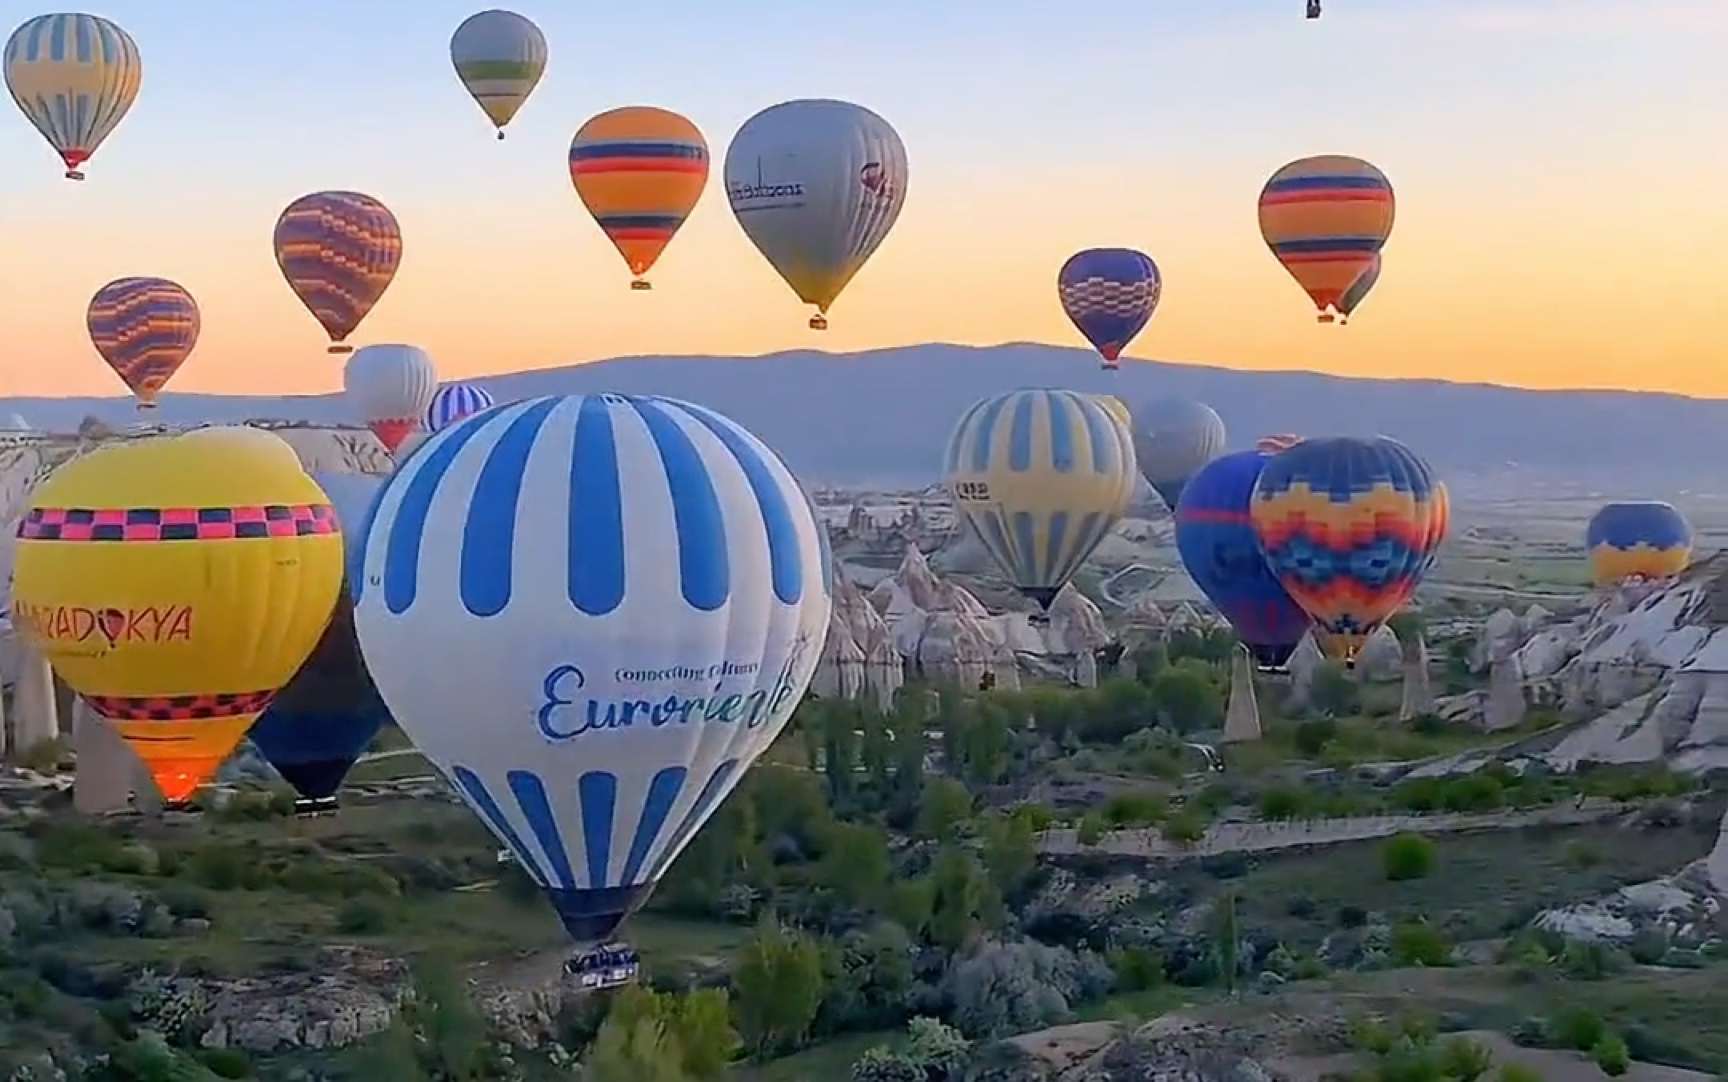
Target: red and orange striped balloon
x,y
1325,219
639,170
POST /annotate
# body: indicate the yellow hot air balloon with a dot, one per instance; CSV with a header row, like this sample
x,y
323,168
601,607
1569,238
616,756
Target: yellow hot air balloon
x,y
75,77
1117,411
177,584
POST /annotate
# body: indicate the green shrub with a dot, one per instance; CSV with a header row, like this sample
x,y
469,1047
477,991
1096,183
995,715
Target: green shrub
x,y
1463,1059
362,916
1577,1028
1418,943
1284,802
1407,856
1611,1055
1311,737
1517,1072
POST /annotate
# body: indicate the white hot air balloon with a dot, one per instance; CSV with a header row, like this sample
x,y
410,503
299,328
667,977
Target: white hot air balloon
x,y
390,386
1173,439
627,597
816,186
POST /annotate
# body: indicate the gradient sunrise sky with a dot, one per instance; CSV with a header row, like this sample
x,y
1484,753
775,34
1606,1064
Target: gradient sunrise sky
x,y
1559,164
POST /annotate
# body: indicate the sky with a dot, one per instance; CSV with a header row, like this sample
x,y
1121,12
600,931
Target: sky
x,y
1559,169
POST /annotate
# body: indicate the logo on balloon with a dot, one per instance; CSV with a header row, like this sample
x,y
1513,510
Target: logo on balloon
x,y
875,180
761,190
64,626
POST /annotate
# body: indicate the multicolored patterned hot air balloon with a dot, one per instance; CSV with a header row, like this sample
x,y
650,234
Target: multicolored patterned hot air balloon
x,y
75,77
1274,442
1216,540
1110,294
1359,290
1325,218
1348,526
1173,438
639,171
1632,541
339,252
454,401
499,56
1043,476
145,328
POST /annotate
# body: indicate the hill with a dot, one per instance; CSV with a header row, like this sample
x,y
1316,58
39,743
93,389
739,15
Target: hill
x,y
886,414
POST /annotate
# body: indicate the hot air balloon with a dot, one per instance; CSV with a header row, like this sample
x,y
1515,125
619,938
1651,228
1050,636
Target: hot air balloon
x,y
1348,525
454,401
391,388
1042,476
1117,410
1216,540
627,597
339,252
816,186
499,56
639,171
145,328
320,723
176,584
1110,294
1326,218
1275,442
75,77
1632,541
1359,290
1173,438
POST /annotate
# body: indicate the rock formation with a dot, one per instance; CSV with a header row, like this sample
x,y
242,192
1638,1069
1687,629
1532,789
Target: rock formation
x,y
1242,714
1418,689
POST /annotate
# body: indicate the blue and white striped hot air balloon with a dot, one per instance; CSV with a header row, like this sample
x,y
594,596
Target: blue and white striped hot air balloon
x,y
626,597
453,401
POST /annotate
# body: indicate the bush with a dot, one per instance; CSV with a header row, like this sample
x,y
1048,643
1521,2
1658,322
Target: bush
x,y
1418,943
1463,1059
1284,802
1311,737
1406,857
1352,916
1577,1028
1611,1055
1517,1072
362,916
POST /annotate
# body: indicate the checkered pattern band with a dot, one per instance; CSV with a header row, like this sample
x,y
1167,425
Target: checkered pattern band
x,y
180,707
176,523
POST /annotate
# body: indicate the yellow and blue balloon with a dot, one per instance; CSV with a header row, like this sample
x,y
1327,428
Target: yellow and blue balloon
x,y
1641,540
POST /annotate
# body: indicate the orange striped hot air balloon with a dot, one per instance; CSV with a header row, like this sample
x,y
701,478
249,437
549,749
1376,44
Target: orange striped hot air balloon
x,y
1325,219
639,170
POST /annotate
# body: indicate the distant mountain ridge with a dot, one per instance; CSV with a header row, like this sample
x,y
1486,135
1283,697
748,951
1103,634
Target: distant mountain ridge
x,y
887,413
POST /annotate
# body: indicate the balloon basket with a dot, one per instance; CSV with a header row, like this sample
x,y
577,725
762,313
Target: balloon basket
x,y
500,135
609,966
338,349
1325,317
74,174
641,285
315,808
818,323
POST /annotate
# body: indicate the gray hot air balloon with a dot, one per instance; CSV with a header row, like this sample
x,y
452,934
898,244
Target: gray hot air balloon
x,y
1173,438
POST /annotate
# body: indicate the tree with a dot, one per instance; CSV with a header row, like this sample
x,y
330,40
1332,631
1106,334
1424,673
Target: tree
x,y
1010,851
779,983
964,904
1186,700
1406,857
944,806
1334,691
695,1028
857,863
634,1049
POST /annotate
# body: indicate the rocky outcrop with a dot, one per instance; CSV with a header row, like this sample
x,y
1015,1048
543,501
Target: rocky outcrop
x,y
1242,713
1174,1048
1418,697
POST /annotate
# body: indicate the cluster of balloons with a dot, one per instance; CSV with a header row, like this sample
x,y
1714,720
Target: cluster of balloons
x,y
1328,535
626,598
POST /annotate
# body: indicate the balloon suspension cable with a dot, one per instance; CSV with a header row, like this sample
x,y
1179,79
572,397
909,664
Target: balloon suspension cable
x,y
641,285
818,322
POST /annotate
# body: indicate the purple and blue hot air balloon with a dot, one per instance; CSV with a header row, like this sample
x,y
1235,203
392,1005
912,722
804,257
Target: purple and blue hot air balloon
x,y
1110,294
454,401
1218,546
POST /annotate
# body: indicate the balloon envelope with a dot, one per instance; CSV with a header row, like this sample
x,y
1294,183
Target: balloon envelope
x,y
1110,295
176,584
145,328
391,388
1325,218
627,597
500,57
75,78
1642,540
339,252
816,185
1360,288
639,171
1216,540
1278,441
1173,438
1042,476
454,401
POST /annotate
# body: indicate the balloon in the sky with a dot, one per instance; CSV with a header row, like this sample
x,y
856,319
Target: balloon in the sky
x,y
1042,476
75,77
1274,442
1643,540
1348,526
1359,290
454,401
339,252
639,171
176,584
391,389
499,56
1110,294
145,328
1216,540
318,725
1325,219
1173,438
816,186
626,597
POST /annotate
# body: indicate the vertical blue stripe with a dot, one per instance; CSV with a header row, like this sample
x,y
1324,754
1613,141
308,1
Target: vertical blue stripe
x,y
663,793
536,808
699,528
1061,406
696,816
478,795
995,538
1056,532
785,555
1020,434
594,581
983,436
1024,528
1101,433
408,528
597,796
489,534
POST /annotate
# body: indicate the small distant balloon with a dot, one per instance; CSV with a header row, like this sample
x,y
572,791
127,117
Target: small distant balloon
x,y
816,185
391,387
454,401
1110,295
339,252
500,57
145,328
639,171
1278,441
1643,540
1325,219
1359,290
1173,438
75,77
